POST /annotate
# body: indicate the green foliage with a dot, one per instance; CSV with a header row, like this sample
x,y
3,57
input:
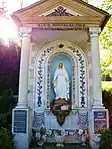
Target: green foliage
x,y
107,86
7,103
6,139
106,43
5,120
86,1
58,131
106,48
106,5
42,131
106,139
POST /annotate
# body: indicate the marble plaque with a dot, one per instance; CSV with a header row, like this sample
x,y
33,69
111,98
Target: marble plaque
x,y
20,121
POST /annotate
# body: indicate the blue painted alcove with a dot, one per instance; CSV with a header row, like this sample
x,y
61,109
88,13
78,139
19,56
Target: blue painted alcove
x,y
68,66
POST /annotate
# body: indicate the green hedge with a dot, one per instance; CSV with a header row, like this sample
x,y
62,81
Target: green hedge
x,y
7,103
106,139
6,139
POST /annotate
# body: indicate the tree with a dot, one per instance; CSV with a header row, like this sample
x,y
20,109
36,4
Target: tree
x,y
106,139
9,67
106,44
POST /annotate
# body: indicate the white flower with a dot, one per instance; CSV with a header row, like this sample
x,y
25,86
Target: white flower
x,y
80,132
97,138
63,132
50,132
37,135
44,137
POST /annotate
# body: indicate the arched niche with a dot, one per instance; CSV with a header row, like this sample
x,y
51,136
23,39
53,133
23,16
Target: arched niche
x,y
79,73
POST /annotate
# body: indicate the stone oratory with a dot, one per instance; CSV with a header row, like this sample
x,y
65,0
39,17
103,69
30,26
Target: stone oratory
x,y
59,82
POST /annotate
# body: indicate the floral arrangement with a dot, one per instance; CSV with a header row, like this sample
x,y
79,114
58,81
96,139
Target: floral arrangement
x,y
60,132
80,132
50,133
83,135
41,135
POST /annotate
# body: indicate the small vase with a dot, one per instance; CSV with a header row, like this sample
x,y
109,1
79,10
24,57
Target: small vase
x,y
59,140
83,140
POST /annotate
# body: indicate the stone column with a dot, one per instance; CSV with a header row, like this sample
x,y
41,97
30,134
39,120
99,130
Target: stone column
x,y
96,72
22,114
24,67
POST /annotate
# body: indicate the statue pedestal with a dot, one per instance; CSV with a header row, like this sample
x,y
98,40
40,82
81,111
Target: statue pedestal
x,y
61,108
22,127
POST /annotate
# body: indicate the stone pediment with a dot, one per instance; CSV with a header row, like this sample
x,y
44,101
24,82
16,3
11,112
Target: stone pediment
x,y
72,11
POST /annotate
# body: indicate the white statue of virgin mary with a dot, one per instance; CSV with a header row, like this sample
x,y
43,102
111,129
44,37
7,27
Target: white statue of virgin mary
x,y
61,82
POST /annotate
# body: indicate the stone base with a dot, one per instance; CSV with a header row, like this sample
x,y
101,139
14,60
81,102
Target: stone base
x,y
22,127
66,139
99,120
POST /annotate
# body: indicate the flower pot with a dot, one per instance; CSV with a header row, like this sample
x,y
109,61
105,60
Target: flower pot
x,y
83,140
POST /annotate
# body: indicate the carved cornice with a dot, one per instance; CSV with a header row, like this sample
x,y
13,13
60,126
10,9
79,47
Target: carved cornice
x,y
61,19
59,26
61,22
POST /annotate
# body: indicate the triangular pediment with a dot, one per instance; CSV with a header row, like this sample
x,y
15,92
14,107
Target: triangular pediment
x,y
65,9
75,6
